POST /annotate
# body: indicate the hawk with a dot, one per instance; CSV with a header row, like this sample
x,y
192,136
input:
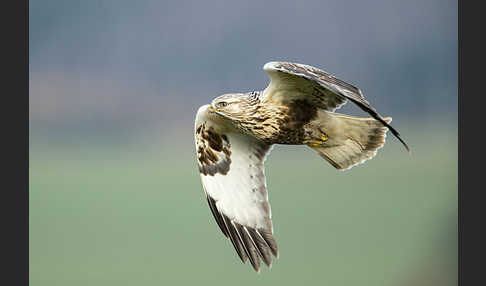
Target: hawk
x,y
235,133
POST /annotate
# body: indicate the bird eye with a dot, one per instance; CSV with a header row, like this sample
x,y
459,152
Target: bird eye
x,y
222,104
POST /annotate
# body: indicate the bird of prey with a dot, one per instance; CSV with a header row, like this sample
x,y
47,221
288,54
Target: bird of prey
x,y
234,134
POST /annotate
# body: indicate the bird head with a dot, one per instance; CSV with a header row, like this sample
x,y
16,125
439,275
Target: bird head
x,y
233,106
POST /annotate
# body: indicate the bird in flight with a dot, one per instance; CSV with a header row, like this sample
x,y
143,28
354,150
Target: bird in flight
x,y
235,133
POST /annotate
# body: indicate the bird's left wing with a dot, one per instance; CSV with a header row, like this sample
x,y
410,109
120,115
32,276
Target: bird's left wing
x,y
232,174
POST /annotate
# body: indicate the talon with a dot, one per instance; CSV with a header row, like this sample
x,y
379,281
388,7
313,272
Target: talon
x,y
324,137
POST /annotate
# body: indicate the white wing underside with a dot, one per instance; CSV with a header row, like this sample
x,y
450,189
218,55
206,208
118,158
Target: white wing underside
x,y
241,194
236,190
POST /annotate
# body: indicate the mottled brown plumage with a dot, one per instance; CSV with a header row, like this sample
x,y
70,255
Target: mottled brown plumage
x,y
208,146
274,124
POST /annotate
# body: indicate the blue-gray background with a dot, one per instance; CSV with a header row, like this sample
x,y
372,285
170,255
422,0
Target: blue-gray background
x,y
115,197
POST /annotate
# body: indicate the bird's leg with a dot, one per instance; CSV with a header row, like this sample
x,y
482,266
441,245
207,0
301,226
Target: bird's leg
x,y
317,141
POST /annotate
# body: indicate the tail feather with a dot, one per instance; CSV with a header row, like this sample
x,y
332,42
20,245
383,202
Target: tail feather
x,y
352,140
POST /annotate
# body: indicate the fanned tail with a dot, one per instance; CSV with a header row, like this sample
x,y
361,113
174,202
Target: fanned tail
x,y
355,141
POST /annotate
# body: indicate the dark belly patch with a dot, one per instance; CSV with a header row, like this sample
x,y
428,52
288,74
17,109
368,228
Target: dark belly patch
x,y
291,125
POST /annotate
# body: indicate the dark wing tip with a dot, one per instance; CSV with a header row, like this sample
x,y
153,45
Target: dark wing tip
x,y
262,247
235,239
217,215
368,108
269,240
249,246
248,242
395,132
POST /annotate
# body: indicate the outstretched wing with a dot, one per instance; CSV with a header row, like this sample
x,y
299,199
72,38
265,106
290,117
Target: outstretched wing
x,y
232,174
292,81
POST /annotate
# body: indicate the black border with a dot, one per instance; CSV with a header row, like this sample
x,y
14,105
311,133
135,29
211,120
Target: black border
x,y
15,139
471,145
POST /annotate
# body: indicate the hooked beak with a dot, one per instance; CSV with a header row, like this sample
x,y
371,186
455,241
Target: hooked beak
x,y
213,110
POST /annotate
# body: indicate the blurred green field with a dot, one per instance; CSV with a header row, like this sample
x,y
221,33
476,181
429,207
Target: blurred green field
x,y
135,214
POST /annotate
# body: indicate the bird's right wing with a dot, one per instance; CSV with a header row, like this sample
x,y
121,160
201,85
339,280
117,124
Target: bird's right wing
x,y
232,174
